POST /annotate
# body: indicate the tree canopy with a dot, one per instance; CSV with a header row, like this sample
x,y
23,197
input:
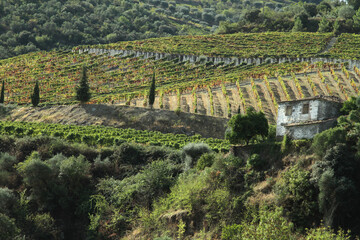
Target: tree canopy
x,y
246,127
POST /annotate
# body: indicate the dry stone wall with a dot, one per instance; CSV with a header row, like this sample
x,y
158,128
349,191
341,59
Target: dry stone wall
x,y
215,60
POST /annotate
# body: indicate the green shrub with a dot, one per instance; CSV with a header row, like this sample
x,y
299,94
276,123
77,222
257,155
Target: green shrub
x,y
102,168
175,157
154,180
6,143
7,162
231,232
139,191
267,224
193,152
163,238
232,171
7,200
36,173
336,176
8,229
298,196
328,139
206,160
217,205
129,153
156,153
325,233
44,227
256,162
285,144
271,133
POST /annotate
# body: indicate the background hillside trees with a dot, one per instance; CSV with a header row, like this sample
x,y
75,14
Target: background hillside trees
x,y
29,26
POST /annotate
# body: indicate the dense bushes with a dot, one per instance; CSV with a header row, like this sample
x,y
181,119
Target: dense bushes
x,y
335,173
52,188
298,196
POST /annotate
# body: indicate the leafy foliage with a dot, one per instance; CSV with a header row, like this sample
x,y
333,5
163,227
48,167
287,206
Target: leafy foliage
x,y
152,92
246,127
35,96
104,136
83,90
297,195
268,224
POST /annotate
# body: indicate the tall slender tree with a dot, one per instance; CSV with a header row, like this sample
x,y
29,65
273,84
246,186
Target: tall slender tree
x,y
152,92
83,90
298,26
324,25
35,97
2,95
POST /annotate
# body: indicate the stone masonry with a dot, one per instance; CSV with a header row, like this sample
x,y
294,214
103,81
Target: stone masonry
x,y
306,117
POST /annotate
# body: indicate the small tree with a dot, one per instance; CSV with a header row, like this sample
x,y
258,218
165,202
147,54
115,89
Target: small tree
x,y
298,26
35,97
152,92
245,127
2,95
83,90
336,27
324,25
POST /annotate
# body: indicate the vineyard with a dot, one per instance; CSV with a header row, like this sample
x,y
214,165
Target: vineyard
x,y
107,136
208,88
262,94
244,45
347,47
212,89
113,79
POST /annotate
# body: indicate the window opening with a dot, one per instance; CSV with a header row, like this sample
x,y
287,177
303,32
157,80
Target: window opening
x,y
305,109
288,111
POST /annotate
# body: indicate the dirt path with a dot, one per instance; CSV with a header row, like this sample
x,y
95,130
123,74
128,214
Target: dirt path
x,y
329,46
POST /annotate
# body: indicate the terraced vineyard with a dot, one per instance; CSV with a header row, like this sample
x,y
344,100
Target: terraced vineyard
x,y
114,79
107,136
213,89
347,46
219,90
245,45
262,94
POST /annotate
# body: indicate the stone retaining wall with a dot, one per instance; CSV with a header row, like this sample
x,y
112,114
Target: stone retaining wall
x,y
215,60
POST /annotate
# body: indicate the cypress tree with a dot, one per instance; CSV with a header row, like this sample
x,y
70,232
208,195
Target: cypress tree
x,y
298,26
152,92
83,90
2,96
324,25
35,97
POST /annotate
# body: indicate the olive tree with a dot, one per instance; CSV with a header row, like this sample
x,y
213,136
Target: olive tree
x,y
246,127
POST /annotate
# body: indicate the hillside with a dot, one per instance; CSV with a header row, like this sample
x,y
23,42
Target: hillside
x,y
114,168
27,26
215,86
120,117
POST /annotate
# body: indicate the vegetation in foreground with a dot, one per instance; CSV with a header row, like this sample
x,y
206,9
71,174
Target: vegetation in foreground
x,y
298,189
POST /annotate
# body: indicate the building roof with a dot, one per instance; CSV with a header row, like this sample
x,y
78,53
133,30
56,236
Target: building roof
x,y
309,122
318,97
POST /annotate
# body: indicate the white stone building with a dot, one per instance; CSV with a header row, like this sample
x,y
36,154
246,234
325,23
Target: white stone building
x,y
306,117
